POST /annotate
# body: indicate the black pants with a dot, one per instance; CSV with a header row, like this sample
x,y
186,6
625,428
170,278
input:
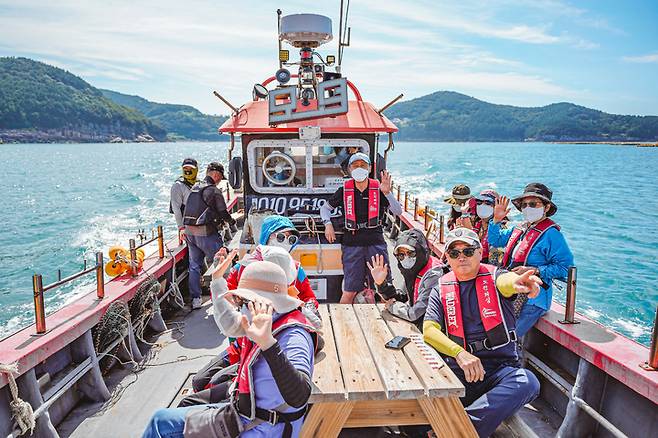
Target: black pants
x,y
204,376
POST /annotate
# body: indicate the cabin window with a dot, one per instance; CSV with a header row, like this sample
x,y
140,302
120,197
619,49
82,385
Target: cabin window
x,y
300,166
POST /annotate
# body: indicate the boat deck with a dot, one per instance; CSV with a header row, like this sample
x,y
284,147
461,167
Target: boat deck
x,y
191,341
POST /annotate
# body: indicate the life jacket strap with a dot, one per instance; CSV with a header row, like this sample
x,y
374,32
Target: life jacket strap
x,y
484,344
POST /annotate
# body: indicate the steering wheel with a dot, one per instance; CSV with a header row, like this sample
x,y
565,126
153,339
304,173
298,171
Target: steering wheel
x,y
274,166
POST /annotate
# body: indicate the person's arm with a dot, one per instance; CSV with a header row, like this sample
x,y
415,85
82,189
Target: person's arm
x,y
389,291
496,235
415,312
393,204
505,284
290,361
227,317
306,293
432,332
219,205
176,197
559,257
325,213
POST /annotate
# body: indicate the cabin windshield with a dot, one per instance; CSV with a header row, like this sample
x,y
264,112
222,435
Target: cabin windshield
x,y
300,166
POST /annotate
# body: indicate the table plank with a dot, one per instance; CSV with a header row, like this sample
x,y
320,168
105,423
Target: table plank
x,y
373,413
399,379
362,381
441,383
327,377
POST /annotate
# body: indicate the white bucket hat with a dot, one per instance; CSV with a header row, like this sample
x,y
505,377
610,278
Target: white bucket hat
x,y
282,259
267,282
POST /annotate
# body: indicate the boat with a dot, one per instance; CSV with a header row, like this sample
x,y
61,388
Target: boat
x,y
101,365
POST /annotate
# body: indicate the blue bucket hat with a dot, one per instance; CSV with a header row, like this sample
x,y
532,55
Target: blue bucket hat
x,y
275,223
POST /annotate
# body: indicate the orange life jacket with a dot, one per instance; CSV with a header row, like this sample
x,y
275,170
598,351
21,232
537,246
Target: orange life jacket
x,y
529,240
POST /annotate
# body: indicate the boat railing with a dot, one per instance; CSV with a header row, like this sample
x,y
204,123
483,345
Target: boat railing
x,y
39,289
433,223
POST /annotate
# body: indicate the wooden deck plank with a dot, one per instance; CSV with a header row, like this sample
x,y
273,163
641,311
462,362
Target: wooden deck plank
x,y
438,383
399,378
327,377
362,381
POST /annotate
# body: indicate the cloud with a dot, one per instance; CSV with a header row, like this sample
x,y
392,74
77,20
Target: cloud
x,y
643,59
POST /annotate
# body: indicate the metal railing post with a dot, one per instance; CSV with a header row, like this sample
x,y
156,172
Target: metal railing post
x,y
100,278
406,201
416,209
427,217
570,305
39,307
161,249
652,363
133,257
398,192
442,229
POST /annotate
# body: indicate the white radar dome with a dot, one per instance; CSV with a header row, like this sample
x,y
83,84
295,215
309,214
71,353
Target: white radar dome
x,y
305,30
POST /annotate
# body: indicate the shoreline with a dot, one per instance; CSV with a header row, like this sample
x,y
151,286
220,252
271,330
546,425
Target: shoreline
x,y
640,144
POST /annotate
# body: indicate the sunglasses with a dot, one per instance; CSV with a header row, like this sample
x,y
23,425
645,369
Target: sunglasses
x,y
531,204
480,202
468,252
281,238
403,255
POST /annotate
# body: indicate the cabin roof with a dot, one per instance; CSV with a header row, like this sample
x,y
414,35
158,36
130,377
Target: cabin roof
x,y
362,117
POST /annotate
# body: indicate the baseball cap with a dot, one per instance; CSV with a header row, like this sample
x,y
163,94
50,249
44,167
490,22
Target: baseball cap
x,y
465,235
359,156
190,162
215,166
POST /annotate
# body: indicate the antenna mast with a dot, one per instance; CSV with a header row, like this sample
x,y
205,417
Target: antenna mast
x,y
344,33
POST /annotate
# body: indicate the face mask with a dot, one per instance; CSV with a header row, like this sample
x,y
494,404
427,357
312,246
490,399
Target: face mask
x,y
285,245
485,211
408,262
360,174
532,214
190,175
457,208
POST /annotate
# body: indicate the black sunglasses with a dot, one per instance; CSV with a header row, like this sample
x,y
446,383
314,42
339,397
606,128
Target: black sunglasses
x,y
403,255
281,237
480,202
532,204
468,252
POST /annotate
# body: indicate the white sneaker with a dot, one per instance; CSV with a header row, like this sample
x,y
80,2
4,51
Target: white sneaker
x,y
196,303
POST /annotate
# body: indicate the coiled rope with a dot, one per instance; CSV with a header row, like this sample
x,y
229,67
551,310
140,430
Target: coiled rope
x,y
312,229
21,411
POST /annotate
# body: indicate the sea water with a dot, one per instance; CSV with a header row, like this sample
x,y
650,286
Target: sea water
x,y
64,202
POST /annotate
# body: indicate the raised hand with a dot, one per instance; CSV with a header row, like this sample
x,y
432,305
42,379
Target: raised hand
x,y
260,328
378,269
223,260
385,184
501,209
528,283
464,222
472,366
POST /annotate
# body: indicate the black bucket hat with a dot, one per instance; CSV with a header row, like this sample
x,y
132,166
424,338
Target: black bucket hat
x,y
537,190
460,194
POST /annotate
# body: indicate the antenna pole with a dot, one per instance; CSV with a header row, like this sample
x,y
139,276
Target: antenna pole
x,y
340,36
278,36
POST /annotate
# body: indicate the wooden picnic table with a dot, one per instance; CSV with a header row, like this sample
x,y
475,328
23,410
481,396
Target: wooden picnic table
x,y
357,382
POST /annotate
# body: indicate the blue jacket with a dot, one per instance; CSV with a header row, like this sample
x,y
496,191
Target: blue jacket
x,y
551,255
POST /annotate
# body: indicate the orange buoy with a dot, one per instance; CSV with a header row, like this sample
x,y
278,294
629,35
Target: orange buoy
x,y
116,252
114,268
140,254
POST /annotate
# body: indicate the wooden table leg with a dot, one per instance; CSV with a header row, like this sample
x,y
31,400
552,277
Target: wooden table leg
x,y
326,419
447,417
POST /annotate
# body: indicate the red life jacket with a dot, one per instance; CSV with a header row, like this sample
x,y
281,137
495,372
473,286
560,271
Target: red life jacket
x,y
249,353
491,310
432,263
349,203
531,237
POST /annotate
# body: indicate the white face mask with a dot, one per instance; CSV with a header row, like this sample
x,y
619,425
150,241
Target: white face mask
x,y
360,174
285,245
408,262
532,215
485,211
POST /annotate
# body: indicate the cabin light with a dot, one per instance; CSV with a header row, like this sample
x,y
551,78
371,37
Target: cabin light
x,y
331,59
259,92
282,75
284,55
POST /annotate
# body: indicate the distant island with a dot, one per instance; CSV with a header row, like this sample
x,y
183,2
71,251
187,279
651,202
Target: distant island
x,y
450,116
42,103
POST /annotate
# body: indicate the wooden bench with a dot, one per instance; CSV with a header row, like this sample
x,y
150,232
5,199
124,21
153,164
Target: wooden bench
x,y
357,382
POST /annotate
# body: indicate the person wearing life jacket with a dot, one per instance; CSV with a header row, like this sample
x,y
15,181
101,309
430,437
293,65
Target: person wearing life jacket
x,y
484,208
470,322
205,211
363,208
457,200
273,386
415,260
536,245
180,190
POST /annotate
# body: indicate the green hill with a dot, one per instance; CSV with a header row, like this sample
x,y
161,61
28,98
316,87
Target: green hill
x,y
450,116
42,103
180,121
